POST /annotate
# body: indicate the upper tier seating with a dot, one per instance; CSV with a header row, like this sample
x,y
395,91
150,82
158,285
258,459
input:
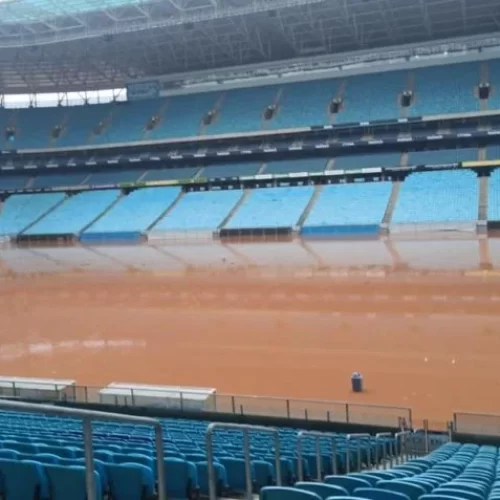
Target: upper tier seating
x,y
438,197
271,208
446,89
170,174
357,162
72,216
343,204
494,196
11,182
305,103
372,97
58,180
184,115
115,177
442,156
230,170
242,110
35,125
137,211
437,90
295,166
492,152
202,210
19,211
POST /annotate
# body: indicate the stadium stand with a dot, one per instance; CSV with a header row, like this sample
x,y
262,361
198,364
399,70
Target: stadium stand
x,y
75,214
231,170
20,211
438,197
133,213
349,209
305,103
442,156
242,110
493,152
271,208
115,177
184,115
356,162
494,196
309,165
58,180
494,79
12,182
372,97
199,211
170,174
446,89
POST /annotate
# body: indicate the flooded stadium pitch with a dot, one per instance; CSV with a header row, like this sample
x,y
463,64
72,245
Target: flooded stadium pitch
x,y
419,319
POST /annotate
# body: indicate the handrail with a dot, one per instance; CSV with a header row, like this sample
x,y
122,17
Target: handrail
x,y
378,437
358,437
401,447
87,416
319,462
246,450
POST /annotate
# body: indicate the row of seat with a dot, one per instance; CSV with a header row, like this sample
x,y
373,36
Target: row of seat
x,y
33,461
437,90
437,196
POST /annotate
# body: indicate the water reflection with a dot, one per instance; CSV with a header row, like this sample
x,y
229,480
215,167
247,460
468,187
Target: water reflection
x,y
177,258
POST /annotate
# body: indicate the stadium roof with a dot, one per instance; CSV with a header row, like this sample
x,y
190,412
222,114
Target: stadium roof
x,y
58,45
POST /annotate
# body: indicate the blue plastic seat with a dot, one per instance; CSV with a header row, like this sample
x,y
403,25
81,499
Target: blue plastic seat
x,y
23,480
323,490
458,492
46,458
130,481
220,478
235,470
264,473
181,478
379,494
349,483
9,454
69,482
286,493
372,479
413,491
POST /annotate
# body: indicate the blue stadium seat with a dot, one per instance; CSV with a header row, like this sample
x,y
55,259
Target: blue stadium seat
x,y
220,478
413,491
264,473
22,480
181,478
69,482
347,482
235,471
323,490
286,493
130,481
379,494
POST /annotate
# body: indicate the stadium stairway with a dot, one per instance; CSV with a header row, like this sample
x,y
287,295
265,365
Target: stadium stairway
x,y
167,210
102,214
44,214
396,188
236,207
309,206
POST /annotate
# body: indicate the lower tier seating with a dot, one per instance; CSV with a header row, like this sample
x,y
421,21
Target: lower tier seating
x,y
271,208
345,204
72,216
444,196
136,212
198,211
19,211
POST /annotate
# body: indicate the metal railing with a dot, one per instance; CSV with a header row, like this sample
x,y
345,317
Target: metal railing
x,y
308,409
401,445
319,458
359,438
87,416
386,445
246,451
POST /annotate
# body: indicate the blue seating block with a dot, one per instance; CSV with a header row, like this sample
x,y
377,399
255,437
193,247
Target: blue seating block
x,y
130,481
69,482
